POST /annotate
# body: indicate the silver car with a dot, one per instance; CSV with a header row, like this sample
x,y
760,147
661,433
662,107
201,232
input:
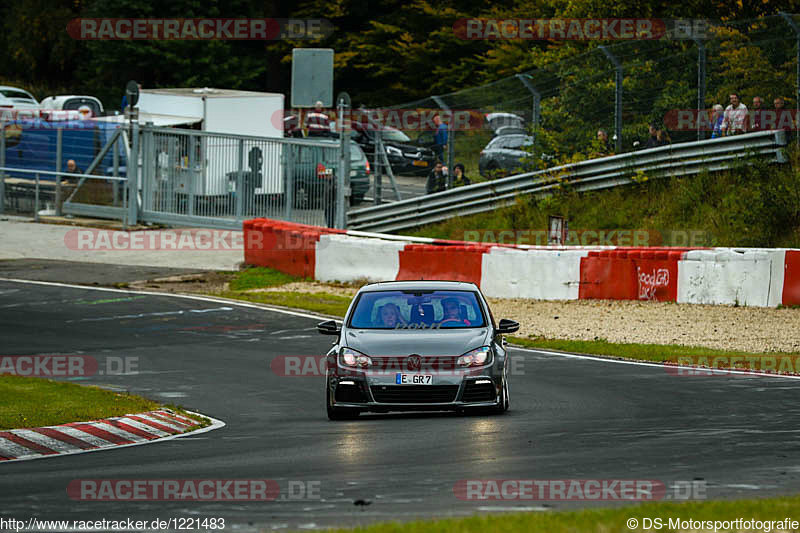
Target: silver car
x,y
417,345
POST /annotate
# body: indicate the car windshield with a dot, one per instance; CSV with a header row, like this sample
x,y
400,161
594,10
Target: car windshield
x,y
395,135
414,309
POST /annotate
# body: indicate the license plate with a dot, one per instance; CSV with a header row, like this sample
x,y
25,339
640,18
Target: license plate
x,y
419,163
413,379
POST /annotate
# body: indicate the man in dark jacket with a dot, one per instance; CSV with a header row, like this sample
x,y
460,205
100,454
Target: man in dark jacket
x,y
459,177
437,180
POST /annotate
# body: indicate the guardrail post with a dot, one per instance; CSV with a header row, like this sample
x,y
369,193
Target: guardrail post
x,y
451,147
133,175
537,102
788,18
701,85
617,97
59,153
36,200
2,166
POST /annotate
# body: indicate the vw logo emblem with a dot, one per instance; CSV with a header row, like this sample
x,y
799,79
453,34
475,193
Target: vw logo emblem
x,y
413,362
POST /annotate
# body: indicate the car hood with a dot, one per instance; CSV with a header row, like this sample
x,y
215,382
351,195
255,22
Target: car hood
x,y
442,342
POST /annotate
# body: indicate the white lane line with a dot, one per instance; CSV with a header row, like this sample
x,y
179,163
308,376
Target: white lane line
x,y
670,368
82,435
144,427
105,426
12,449
44,440
213,299
324,317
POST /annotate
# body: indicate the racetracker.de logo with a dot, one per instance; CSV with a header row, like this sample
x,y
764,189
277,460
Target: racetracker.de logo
x,y
65,366
559,29
197,29
559,489
215,490
89,239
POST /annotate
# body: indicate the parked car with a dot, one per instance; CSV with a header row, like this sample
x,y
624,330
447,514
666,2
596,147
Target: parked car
x,y
405,156
504,155
74,103
506,124
16,98
311,168
417,345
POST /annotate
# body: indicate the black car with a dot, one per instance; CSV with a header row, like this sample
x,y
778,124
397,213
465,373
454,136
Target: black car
x,y
313,167
505,155
405,156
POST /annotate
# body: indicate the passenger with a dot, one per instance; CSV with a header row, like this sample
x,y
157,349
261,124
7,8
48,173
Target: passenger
x,y
452,312
390,316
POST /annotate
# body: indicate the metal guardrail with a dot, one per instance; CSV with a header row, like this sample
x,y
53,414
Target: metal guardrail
x,y
665,161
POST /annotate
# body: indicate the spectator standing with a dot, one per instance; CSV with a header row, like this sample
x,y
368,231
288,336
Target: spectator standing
x,y
658,137
756,115
439,138
602,139
735,118
716,121
783,118
437,180
459,177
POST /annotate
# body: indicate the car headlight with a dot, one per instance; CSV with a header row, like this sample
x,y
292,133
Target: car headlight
x,y
391,150
477,357
353,359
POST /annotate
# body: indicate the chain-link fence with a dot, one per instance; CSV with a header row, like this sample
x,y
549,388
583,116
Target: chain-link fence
x,y
623,88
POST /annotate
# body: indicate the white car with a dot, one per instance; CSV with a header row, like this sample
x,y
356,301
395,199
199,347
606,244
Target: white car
x,y
81,104
16,98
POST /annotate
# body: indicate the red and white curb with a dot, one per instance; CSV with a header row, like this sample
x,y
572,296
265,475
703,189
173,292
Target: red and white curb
x,y
81,437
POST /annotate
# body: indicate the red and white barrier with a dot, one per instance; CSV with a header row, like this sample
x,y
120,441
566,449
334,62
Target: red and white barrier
x,y
726,276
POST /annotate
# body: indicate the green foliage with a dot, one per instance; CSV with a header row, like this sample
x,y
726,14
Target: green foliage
x,y
752,205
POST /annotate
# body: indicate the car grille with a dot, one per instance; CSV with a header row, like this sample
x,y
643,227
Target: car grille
x,y
485,392
414,393
350,394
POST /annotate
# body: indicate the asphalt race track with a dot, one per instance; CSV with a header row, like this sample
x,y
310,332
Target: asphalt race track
x,y
570,418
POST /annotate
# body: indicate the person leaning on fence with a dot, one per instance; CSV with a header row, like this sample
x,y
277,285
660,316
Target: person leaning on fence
x,y
437,179
735,118
318,122
658,137
459,177
716,121
783,117
756,116
602,145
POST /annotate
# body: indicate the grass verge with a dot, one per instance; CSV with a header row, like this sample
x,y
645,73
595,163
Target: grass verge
x,y
606,520
318,302
33,402
669,353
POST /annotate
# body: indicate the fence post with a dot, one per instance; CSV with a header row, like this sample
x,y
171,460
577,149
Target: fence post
x,y
133,174
343,176
59,154
537,102
701,85
617,97
788,18
192,173
239,181
2,166
289,174
451,148
36,200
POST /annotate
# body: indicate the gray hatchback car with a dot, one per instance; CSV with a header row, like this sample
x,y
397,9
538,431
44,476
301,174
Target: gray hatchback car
x,y
417,345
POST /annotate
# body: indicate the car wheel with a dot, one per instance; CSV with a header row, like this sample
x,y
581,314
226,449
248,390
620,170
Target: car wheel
x,y
338,413
503,406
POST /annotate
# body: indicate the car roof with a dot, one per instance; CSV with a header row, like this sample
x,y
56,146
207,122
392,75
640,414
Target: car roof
x,y
425,285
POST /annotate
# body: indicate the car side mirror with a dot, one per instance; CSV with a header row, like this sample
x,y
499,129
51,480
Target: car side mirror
x,y
329,327
507,326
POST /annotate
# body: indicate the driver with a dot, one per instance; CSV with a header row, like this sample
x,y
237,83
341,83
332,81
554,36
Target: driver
x,y
390,316
452,311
